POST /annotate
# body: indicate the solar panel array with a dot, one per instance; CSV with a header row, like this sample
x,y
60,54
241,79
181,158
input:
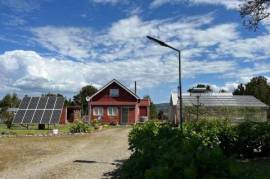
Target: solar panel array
x,y
39,110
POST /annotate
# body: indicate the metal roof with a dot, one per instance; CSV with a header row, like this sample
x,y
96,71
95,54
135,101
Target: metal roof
x,y
226,100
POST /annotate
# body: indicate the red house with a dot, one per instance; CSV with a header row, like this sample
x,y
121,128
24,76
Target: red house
x,y
116,104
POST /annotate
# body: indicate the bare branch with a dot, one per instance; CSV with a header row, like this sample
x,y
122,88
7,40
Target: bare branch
x,y
253,12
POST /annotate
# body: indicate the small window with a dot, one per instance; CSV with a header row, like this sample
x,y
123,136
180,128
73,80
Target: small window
x,y
114,92
98,111
112,111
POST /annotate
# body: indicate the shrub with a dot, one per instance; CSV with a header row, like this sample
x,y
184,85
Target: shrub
x,y
205,149
246,140
8,133
7,118
96,124
79,127
253,139
213,133
160,151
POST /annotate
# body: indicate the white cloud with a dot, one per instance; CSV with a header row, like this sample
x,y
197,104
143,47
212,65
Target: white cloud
x,y
69,41
13,20
17,10
250,49
130,29
123,52
108,1
228,87
229,4
266,22
157,3
28,72
126,38
246,73
22,6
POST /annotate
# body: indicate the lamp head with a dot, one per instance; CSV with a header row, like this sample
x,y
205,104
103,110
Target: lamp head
x,y
157,41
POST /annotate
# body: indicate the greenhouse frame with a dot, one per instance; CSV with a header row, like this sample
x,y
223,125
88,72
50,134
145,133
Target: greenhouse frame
x,y
225,106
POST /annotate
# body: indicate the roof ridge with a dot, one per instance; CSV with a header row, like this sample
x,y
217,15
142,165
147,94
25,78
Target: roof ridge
x,y
120,84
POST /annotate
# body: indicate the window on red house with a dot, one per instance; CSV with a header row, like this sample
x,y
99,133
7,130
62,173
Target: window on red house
x,y
112,111
98,111
114,92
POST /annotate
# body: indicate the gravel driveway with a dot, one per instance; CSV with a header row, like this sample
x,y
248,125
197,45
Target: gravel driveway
x,y
91,157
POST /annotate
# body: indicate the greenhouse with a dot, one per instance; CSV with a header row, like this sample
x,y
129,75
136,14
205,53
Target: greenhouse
x,y
219,106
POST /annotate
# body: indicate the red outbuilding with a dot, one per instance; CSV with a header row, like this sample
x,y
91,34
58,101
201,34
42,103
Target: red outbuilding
x,y
116,104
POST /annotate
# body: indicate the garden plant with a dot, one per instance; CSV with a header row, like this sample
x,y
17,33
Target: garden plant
x,y
204,149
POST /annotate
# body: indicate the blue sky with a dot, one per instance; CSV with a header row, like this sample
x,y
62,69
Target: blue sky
x,y
60,46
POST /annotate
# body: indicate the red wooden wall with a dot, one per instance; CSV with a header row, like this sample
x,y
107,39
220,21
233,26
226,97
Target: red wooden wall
x,y
124,96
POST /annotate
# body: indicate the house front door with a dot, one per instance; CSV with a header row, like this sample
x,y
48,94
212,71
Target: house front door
x,y
124,115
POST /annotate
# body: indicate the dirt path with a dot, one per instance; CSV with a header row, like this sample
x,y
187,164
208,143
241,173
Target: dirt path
x,y
90,157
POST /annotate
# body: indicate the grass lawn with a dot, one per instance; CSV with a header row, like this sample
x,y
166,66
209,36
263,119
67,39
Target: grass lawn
x,y
33,129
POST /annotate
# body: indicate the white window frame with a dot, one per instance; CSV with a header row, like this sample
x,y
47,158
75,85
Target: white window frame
x,y
114,92
98,111
112,111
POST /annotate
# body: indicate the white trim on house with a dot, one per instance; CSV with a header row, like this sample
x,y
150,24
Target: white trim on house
x,y
112,111
98,111
117,82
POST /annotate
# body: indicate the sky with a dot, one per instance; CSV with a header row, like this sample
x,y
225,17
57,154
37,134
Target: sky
x,y
58,46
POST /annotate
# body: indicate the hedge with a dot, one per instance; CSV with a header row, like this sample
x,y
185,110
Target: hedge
x,y
204,149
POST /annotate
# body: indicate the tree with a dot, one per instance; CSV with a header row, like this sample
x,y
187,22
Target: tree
x,y
7,118
222,91
254,11
9,101
69,102
53,94
161,115
79,99
153,108
257,87
240,90
208,88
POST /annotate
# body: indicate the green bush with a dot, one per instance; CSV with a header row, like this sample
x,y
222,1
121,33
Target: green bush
x,y
246,140
7,133
96,124
79,127
205,149
7,118
160,151
253,139
213,133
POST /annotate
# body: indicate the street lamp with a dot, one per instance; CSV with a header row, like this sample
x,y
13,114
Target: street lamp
x,y
180,77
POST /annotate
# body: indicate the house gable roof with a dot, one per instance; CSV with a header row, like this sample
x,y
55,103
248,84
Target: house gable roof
x,y
118,83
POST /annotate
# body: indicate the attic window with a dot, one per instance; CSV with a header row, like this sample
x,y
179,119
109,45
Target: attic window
x,y
114,92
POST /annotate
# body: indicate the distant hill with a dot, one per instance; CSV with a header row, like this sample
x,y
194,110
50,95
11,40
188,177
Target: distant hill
x,y
163,107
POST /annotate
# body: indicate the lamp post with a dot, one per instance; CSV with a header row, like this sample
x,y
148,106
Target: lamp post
x,y
161,43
